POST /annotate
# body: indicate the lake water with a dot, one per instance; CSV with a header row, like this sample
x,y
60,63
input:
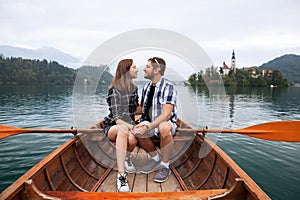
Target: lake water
x,y
274,166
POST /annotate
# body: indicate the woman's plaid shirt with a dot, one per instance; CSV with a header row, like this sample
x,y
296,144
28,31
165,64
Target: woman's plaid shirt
x,y
121,106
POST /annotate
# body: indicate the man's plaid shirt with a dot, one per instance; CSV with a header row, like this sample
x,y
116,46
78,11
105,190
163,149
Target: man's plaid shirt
x,y
164,93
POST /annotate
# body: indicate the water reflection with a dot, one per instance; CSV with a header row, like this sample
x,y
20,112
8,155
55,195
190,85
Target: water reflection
x,y
285,102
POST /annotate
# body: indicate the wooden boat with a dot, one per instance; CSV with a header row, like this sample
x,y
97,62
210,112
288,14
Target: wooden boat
x,y
84,168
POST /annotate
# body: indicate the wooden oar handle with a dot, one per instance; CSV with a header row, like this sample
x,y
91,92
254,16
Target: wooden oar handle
x,y
73,131
188,130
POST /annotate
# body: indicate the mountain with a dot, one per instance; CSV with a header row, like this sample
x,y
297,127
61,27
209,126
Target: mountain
x,y
48,53
288,65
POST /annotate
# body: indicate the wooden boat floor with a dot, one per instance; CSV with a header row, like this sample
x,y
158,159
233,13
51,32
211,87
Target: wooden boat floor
x,y
139,182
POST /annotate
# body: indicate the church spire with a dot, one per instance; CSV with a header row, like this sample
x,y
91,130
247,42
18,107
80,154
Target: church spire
x,y
233,67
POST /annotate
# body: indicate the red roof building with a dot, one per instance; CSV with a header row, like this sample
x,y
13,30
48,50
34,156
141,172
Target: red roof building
x,y
226,69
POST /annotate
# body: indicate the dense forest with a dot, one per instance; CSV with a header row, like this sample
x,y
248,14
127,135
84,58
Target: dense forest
x,y
19,71
288,65
241,78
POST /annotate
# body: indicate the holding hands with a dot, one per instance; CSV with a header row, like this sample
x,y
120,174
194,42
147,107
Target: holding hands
x,y
139,130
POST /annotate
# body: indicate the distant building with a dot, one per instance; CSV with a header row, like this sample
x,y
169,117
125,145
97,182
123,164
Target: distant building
x,y
266,72
252,71
255,72
225,69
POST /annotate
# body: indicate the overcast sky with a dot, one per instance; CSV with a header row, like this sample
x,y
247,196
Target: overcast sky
x,y
257,30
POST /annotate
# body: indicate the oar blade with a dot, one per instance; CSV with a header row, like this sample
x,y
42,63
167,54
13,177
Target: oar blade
x,y
6,131
286,131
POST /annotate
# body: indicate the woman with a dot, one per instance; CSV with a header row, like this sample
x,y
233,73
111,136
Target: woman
x,y
122,101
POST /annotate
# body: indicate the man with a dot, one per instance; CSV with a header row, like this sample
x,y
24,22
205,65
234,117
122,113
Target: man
x,y
158,120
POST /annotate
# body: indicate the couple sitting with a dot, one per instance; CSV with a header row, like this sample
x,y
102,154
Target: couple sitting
x,y
158,120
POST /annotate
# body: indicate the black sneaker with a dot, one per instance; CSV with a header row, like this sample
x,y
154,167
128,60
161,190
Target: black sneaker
x,y
162,175
122,183
150,166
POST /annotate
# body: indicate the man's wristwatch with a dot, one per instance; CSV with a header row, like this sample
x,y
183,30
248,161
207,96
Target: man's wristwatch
x,y
147,127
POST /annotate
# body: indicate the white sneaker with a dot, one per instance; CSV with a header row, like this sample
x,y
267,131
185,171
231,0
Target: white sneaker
x,y
122,183
129,167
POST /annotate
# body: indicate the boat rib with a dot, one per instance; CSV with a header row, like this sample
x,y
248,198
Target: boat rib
x,y
69,177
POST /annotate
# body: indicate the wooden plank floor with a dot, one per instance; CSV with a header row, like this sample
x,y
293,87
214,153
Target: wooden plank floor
x,y
139,182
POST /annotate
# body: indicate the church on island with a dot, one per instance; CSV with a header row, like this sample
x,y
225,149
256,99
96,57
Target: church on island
x,y
253,71
224,70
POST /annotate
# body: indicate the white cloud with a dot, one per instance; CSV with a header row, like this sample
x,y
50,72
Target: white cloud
x,y
77,27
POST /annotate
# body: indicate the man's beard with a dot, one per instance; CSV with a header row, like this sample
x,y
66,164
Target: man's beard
x,y
148,76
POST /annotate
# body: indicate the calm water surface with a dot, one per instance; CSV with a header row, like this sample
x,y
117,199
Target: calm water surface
x,y
274,166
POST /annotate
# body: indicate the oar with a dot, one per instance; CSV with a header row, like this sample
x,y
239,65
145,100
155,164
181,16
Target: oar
x,y
285,131
6,131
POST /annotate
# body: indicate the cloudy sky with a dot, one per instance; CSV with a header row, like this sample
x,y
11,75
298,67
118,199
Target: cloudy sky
x,y
258,30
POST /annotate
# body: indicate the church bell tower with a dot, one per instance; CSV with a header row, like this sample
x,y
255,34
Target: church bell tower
x,y
233,67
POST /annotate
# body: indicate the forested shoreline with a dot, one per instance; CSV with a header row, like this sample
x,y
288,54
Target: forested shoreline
x,y
19,71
